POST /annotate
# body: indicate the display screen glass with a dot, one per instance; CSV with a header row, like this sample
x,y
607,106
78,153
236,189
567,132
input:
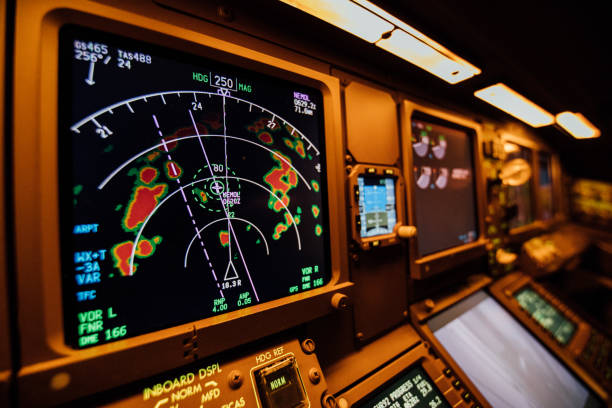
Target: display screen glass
x,y
377,209
545,185
414,389
546,314
444,190
503,360
189,187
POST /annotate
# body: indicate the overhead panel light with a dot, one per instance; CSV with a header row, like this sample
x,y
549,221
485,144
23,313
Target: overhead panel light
x,y
373,24
515,104
426,57
577,125
346,15
439,60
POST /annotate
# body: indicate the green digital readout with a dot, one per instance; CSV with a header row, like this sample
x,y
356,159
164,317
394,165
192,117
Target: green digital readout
x,y
414,389
546,314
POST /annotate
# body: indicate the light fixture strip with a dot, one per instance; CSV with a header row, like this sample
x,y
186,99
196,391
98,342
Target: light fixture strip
x,y
577,125
422,55
515,104
373,24
348,16
415,33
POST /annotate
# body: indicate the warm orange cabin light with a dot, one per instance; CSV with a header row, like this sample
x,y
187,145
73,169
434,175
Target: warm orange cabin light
x,y
515,104
375,25
426,57
346,15
577,125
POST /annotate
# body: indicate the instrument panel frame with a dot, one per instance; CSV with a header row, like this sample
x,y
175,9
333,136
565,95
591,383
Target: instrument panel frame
x,y
61,373
419,356
422,267
5,228
376,171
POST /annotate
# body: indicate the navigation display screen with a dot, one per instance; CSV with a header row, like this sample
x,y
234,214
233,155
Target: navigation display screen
x,y
189,187
376,205
507,364
444,190
412,389
546,315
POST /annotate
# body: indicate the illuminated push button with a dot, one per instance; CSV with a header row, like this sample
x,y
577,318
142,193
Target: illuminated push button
x,y
280,386
457,384
447,372
467,396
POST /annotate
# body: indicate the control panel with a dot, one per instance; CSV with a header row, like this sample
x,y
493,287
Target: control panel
x,y
417,379
277,376
573,339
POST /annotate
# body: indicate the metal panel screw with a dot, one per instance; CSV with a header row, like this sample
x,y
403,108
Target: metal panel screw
x,y
314,375
234,379
308,346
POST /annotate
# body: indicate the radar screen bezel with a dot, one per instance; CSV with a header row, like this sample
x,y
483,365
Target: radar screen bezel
x,y
45,354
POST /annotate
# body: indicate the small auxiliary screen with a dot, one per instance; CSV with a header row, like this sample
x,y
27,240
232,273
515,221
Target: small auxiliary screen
x,y
412,389
546,315
377,208
505,362
444,190
189,188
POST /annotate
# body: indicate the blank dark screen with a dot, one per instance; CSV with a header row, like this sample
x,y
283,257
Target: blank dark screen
x,y
443,169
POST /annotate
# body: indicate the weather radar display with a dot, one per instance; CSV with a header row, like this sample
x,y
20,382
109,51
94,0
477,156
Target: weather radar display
x,y
190,187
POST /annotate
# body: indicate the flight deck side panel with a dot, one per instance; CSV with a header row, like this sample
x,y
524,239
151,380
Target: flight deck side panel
x,y
371,124
5,352
59,367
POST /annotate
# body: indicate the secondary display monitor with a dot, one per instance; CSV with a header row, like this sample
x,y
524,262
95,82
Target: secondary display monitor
x,y
413,388
189,187
546,314
503,360
377,207
444,193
